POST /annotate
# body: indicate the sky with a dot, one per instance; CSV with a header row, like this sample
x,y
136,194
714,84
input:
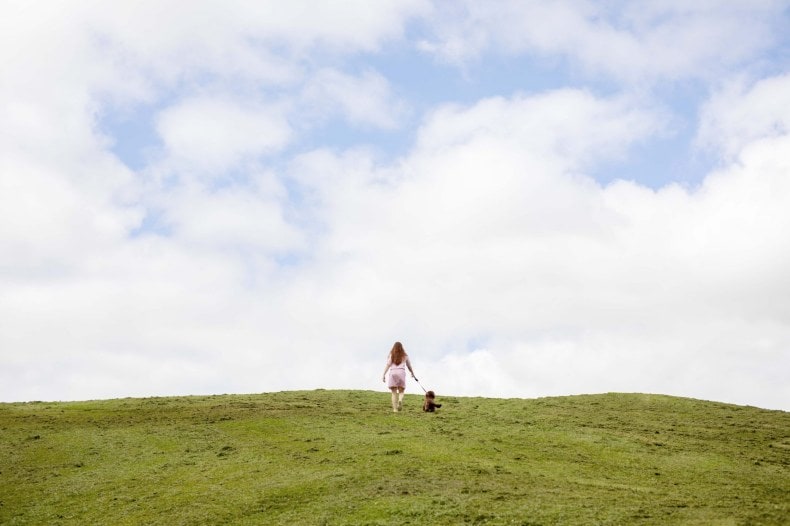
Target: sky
x,y
536,198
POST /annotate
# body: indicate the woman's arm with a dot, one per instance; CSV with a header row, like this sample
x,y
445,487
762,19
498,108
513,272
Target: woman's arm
x,y
384,375
408,364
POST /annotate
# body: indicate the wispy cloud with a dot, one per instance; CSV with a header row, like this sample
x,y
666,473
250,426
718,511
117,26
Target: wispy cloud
x,y
364,100
641,42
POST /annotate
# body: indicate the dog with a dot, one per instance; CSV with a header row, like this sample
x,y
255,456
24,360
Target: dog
x,y
430,405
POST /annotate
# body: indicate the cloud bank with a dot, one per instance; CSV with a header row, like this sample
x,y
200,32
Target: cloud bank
x,y
268,235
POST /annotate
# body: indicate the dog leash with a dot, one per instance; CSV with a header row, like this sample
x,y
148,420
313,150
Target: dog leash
x,y
418,383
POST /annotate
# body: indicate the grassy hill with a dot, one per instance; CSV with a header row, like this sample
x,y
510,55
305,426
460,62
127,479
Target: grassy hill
x,y
342,457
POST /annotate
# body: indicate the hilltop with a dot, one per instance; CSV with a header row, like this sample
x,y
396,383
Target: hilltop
x,y
341,457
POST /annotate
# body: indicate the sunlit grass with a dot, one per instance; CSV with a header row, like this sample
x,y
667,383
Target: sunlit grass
x,y
341,457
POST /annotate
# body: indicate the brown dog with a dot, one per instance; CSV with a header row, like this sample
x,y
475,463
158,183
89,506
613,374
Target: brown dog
x,y
430,404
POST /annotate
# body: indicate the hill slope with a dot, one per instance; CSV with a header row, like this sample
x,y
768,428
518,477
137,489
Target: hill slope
x,y
340,457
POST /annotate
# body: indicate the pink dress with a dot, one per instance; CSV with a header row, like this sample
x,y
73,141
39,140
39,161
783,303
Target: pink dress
x,y
398,373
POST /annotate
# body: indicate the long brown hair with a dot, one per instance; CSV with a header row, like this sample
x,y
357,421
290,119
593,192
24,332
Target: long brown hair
x,y
397,354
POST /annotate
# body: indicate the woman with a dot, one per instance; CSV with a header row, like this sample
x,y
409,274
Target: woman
x,y
397,363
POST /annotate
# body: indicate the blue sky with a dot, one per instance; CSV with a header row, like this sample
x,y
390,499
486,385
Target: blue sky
x,y
536,198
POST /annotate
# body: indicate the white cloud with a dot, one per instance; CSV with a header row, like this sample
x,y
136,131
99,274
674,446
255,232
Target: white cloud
x,y
237,39
246,218
740,114
59,204
556,123
214,134
363,100
634,42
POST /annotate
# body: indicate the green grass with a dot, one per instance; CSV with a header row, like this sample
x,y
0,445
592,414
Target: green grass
x,y
342,457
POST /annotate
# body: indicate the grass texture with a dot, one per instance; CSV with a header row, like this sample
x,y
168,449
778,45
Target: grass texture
x,y
342,457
